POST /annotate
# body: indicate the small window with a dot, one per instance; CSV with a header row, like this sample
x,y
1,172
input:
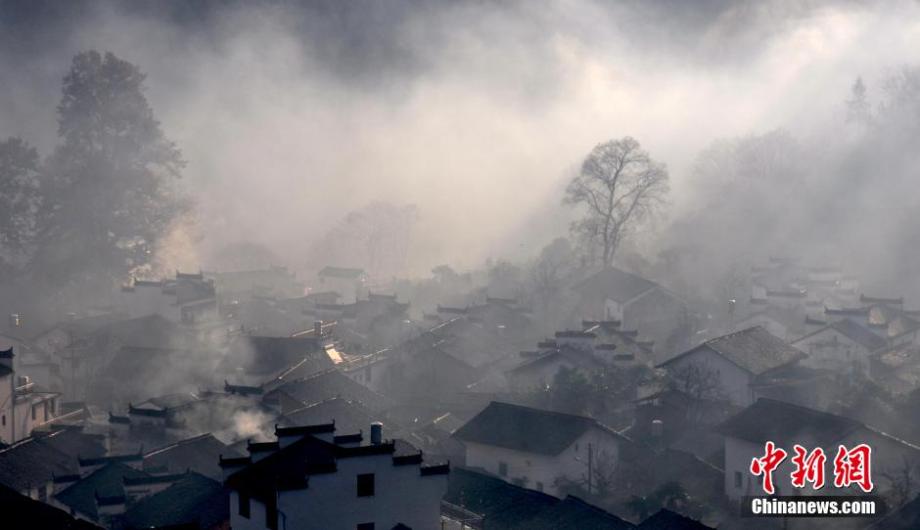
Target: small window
x,y
244,505
4,420
34,412
503,469
738,479
365,526
366,485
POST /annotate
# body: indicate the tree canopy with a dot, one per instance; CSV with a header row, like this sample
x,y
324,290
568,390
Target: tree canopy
x,y
20,199
109,192
619,185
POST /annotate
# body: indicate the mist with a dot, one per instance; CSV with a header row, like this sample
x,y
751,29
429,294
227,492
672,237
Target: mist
x,y
477,114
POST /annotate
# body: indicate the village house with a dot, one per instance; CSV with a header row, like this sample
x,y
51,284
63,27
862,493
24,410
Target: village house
x,y
786,424
189,299
782,323
537,448
275,282
311,478
843,346
896,368
626,347
728,367
571,350
639,304
347,282
23,405
176,418
479,500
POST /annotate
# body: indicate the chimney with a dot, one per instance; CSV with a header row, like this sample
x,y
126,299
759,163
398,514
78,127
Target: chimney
x,y
376,433
318,329
657,429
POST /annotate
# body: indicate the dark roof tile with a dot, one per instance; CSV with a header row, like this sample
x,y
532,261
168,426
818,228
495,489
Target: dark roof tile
x,y
787,424
193,499
525,429
753,349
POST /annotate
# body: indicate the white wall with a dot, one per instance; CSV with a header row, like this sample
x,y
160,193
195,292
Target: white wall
x,y
733,382
829,349
330,502
6,408
531,470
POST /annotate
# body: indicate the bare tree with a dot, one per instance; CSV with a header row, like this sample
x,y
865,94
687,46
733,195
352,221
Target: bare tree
x,y
548,276
903,482
701,384
618,186
858,111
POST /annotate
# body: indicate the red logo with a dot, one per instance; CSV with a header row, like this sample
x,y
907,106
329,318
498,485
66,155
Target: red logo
x,y
808,467
765,465
851,467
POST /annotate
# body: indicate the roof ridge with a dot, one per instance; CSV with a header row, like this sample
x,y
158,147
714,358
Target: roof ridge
x,y
808,409
545,411
592,507
179,443
733,333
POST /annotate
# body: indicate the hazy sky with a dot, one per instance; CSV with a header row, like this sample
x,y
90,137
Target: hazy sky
x,y
478,112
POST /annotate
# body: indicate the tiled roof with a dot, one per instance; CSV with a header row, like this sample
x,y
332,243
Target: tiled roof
x,y
350,416
193,499
525,429
665,519
787,424
105,482
858,334
753,349
20,511
31,462
74,442
200,454
330,384
907,517
506,506
615,284
581,358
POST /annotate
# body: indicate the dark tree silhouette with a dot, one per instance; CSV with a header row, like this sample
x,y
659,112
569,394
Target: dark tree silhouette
x,y
20,200
110,191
